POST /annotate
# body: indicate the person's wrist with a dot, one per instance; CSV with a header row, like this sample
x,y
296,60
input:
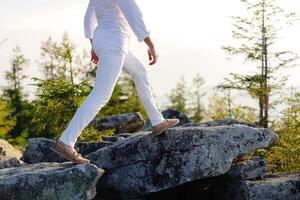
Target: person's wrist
x,y
151,46
149,42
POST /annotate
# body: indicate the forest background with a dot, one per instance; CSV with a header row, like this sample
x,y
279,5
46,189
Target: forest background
x,y
266,94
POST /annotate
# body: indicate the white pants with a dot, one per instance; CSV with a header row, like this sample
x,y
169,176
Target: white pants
x,y
112,62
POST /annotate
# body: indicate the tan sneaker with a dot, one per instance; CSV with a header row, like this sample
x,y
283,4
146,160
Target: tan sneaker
x,y
164,125
68,152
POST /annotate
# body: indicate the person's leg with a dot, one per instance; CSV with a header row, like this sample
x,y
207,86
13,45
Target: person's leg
x,y
108,71
138,71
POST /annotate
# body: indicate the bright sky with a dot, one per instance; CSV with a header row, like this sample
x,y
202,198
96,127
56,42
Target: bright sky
x,y
188,35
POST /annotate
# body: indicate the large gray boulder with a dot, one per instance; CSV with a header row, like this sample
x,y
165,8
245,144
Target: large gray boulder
x,y
38,150
268,187
277,187
86,148
143,163
63,181
124,123
207,189
171,113
253,168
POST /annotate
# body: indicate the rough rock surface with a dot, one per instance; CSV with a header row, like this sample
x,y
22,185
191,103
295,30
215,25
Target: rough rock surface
x,y
8,150
222,122
38,150
112,138
248,169
180,155
170,113
285,187
86,148
8,162
276,187
63,181
124,123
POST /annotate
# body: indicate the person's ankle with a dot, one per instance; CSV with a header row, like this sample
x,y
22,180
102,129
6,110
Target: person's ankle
x,y
61,141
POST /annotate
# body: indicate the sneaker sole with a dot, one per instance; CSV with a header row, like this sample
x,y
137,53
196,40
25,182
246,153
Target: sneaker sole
x,y
159,133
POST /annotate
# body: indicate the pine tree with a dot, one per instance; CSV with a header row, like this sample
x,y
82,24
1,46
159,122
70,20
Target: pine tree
x,y
258,35
284,155
198,109
58,96
217,108
179,97
6,123
221,107
13,93
65,52
57,101
56,59
86,69
48,59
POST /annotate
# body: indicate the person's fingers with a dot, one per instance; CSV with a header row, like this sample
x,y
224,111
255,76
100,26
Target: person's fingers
x,y
94,57
97,60
154,60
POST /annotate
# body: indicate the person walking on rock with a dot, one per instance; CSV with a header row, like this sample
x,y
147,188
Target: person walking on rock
x,y
107,25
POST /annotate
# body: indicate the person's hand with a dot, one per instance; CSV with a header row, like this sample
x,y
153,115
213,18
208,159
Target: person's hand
x,y
151,51
152,55
94,57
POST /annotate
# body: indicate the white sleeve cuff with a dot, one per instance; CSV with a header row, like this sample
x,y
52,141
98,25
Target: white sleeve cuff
x,y
142,37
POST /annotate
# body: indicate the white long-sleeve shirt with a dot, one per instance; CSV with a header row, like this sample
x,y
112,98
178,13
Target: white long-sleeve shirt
x,y
115,17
